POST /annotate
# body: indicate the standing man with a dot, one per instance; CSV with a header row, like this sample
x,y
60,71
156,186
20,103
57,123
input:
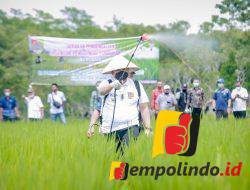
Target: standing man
x,y
195,100
221,100
120,114
182,98
166,100
155,93
57,101
34,105
239,97
8,107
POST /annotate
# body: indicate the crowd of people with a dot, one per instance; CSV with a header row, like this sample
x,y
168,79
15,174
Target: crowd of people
x,y
35,109
121,106
192,100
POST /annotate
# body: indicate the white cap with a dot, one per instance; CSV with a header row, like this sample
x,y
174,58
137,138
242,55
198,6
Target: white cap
x,y
119,62
166,87
30,90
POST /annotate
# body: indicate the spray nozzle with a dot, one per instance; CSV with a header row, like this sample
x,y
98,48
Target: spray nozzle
x,y
145,37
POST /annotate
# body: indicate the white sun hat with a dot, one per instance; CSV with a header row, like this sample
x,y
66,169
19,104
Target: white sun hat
x,y
119,62
166,87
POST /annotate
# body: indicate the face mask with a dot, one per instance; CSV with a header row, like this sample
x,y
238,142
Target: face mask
x,y
7,93
196,84
166,93
121,75
238,88
220,85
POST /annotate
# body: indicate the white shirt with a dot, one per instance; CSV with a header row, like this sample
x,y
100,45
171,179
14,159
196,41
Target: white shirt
x,y
58,97
239,104
126,109
34,107
166,101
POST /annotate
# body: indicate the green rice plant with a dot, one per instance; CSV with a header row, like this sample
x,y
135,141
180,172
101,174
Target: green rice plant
x,y
47,155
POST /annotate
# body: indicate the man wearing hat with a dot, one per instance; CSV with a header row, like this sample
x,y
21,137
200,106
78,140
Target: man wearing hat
x,y
166,100
221,100
34,105
122,102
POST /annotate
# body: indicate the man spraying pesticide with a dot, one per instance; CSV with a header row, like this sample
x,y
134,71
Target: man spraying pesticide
x,y
120,113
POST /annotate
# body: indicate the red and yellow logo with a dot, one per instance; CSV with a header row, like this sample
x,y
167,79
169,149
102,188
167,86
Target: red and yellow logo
x,y
175,133
118,171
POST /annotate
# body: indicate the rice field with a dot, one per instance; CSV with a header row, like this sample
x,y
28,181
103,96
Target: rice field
x,y
46,155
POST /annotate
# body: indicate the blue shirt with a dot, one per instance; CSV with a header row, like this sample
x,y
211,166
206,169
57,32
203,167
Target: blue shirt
x,y
8,105
221,97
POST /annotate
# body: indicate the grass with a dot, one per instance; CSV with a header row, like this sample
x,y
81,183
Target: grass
x,y
52,156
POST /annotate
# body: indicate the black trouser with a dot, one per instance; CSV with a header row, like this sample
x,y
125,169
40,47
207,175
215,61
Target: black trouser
x,y
194,131
196,115
8,118
34,119
239,114
122,137
196,112
221,114
181,108
156,114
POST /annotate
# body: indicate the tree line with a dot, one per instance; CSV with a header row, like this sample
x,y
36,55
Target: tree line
x,y
219,49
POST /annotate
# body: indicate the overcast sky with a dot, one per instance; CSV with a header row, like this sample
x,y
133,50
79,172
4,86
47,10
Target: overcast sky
x,y
129,11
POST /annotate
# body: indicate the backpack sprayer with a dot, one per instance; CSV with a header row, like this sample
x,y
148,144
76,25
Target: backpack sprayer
x,y
122,75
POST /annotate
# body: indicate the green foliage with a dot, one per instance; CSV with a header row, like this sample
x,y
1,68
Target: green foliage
x,y
234,14
234,40
233,49
180,27
177,65
206,27
227,71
